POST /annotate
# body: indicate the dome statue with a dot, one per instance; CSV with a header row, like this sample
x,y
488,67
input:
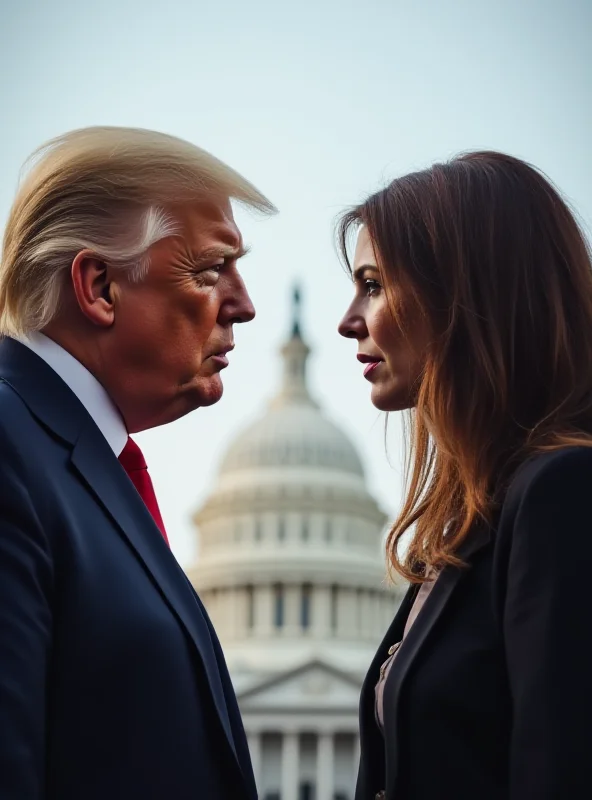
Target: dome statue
x,y
292,571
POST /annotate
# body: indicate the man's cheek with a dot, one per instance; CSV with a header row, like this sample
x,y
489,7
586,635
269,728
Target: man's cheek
x,y
205,324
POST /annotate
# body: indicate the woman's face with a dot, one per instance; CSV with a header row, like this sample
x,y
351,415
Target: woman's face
x,y
392,359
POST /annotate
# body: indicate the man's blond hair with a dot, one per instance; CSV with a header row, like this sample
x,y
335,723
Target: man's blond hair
x,y
106,189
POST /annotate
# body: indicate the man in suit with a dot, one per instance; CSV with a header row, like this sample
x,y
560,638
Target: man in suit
x,y
119,290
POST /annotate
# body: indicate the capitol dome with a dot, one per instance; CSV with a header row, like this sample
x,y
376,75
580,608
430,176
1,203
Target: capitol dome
x,y
291,569
293,435
293,432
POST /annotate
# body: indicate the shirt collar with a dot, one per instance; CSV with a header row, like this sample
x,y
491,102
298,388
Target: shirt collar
x,y
85,386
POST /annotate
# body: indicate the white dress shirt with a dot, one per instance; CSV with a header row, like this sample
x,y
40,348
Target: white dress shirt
x,y
84,385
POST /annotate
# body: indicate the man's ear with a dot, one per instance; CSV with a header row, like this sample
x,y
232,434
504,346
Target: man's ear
x,y
92,281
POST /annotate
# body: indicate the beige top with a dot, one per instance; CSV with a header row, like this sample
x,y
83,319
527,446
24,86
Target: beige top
x,y
420,599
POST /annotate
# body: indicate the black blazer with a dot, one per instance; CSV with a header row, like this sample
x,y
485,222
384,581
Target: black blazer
x,y
490,695
112,682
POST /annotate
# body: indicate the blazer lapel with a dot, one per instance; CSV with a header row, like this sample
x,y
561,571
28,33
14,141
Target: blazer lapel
x,y
372,753
415,641
95,462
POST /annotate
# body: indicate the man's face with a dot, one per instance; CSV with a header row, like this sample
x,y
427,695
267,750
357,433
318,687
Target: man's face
x,y
173,329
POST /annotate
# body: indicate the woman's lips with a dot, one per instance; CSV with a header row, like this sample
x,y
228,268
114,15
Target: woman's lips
x,y
370,366
371,363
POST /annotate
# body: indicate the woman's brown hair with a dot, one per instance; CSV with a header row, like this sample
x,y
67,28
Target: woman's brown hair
x,y
498,265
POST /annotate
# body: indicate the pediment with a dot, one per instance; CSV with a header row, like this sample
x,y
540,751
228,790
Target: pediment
x,y
315,685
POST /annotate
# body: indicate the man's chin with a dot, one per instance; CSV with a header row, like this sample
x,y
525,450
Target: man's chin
x,y
185,400
197,394
208,392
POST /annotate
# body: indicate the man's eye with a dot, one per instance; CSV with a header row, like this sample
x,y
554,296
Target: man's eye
x,y
205,273
208,276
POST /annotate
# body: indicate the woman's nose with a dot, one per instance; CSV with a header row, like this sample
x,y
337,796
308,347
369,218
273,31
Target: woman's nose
x,y
352,326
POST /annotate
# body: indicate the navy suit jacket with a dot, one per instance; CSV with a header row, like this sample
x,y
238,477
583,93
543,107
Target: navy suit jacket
x,y
112,681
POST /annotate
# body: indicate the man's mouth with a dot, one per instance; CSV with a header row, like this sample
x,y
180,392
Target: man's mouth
x,y
220,357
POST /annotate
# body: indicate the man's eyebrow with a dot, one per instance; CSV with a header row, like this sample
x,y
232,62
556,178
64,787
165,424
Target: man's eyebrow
x,y
212,253
359,271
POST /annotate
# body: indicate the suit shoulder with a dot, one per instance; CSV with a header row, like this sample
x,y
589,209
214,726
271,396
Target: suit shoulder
x,y
553,465
13,410
21,437
10,403
551,478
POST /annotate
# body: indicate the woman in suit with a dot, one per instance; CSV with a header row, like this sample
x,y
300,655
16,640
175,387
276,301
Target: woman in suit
x,y
473,308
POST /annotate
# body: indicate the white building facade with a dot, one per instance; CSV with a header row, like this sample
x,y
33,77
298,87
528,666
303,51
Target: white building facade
x,y
291,570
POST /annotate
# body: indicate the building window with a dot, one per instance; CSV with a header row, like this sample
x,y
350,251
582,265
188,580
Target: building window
x,y
305,599
281,529
250,608
334,600
328,529
278,605
258,529
306,792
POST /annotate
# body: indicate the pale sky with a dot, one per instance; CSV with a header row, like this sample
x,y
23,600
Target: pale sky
x,y
317,103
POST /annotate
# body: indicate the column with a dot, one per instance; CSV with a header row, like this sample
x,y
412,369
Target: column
x,y
377,615
263,599
243,612
325,768
232,601
223,610
291,610
387,609
342,630
254,741
346,614
239,608
321,611
366,615
290,766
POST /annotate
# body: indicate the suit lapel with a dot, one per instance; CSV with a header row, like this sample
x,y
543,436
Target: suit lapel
x,y
415,641
58,409
94,460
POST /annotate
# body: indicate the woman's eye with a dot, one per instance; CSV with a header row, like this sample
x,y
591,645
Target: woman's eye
x,y
371,287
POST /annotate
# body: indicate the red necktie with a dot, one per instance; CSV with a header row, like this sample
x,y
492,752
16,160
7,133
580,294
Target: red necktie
x,y
133,462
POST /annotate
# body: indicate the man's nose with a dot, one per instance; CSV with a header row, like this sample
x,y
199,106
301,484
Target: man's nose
x,y
240,307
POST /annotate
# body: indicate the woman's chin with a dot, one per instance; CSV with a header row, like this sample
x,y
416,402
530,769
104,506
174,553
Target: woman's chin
x,y
390,400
